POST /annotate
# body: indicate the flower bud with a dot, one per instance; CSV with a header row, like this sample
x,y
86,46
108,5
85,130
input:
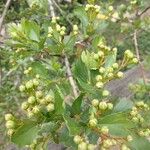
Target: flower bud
x,y
50,107
9,117
62,32
37,76
103,105
10,124
77,139
135,119
110,75
75,27
110,106
110,8
58,27
124,147
135,60
10,132
120,74
99,85
115,65
104,130
30,114
100,53
105,93
98,77
91,147
35,82
96,56
24,105
93,122
102,70
26,72
39,94
129,54
29,84
22,88
49,98
82,146
95,102
31,100
129,138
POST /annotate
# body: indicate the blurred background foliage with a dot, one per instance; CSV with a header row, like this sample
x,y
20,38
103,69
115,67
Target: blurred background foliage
x,y
117,33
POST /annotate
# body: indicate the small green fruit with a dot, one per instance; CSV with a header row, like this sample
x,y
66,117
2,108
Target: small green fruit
x,y
29,84
39,94
120,74
25,105
99,85
35,82
10,132
110,106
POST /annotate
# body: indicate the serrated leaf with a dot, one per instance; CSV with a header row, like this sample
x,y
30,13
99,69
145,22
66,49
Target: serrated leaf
x,y
76,106
110,59
59,102
123,105
139,143
25,134
72,125
81,72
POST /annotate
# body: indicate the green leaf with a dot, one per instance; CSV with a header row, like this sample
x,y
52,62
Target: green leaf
x,y
25,134
81,72
110,59
67,139
31,29
39,68
123,105
76,106
69,43
115,118
59,102
139,143
72,125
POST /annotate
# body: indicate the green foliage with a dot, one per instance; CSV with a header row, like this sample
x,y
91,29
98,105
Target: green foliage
x,y
64,76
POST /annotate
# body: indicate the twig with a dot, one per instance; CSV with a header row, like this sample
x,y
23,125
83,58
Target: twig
x,y
70,77
145,10
51,8
4,13
138,56
60,10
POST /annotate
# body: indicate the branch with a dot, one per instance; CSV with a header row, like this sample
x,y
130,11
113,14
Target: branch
x,y
51,8
70,77
138,55
145,10
4,13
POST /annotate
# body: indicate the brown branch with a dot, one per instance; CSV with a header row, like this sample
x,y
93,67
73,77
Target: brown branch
x,y
138,55
145,10
4,13
70,77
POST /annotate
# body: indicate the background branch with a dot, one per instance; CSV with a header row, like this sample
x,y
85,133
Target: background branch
x,y
138,55
4,13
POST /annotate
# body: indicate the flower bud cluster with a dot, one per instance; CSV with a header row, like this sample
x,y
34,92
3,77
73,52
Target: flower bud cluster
x,y
136,116
83,144
107,143
103,105
144,132
95,8
28,70
129,56
29,85
10,124
60,29
124,147
37,100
